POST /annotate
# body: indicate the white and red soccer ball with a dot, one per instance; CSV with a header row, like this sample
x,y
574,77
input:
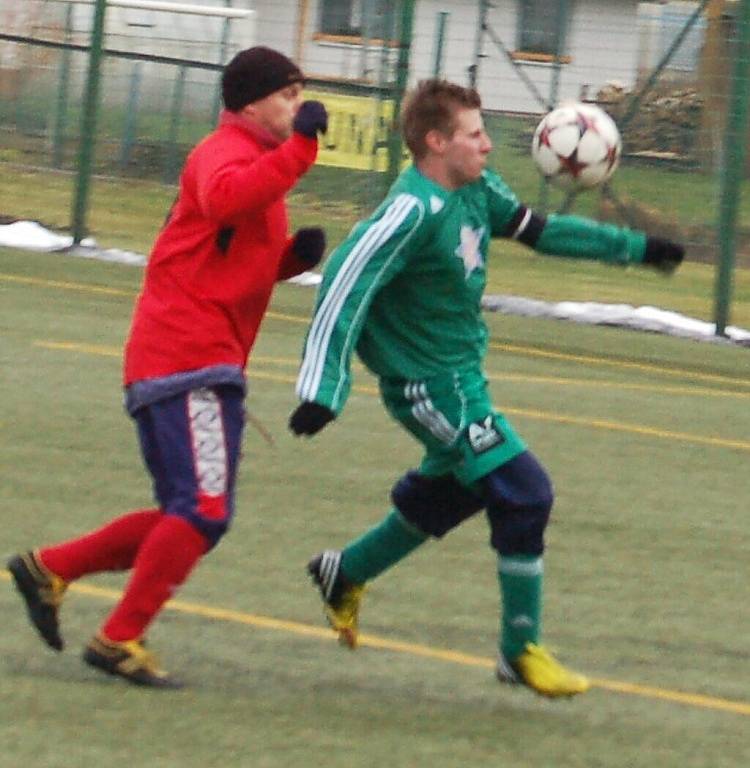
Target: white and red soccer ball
x,y
577,146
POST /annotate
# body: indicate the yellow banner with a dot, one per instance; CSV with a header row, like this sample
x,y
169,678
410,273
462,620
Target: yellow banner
x,y
357,131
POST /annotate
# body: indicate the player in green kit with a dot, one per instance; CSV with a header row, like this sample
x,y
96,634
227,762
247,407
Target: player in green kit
x,y
404,291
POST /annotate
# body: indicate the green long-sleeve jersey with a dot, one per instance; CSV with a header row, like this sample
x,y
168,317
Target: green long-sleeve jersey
x,y
404,289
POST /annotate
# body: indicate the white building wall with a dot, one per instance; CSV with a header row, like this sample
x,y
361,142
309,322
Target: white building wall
x,y
459,42
603,45
325,58
276,25
151,85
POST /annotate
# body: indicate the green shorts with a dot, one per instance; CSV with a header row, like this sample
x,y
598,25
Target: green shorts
x,y
453,417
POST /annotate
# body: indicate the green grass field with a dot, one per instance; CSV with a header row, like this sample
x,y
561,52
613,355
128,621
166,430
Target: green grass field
x,y
127,213
647,439
681,198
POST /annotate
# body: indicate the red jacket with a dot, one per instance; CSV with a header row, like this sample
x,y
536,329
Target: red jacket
x,y
226,243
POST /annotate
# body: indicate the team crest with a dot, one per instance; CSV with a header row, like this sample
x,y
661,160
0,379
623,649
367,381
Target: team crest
x,y
469,251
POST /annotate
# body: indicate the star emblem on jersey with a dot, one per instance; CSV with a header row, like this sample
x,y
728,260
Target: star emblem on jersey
x,y
469,250
436,204
483,435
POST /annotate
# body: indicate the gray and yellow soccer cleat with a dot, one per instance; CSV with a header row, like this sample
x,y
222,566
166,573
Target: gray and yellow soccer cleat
x,y
43,592
341,599
537,668
129,660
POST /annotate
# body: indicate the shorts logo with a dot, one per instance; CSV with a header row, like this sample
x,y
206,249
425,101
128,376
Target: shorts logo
x,y
483,435
209,450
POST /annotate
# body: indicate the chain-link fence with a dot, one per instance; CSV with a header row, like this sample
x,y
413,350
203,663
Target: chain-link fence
x,y
160,89
666,71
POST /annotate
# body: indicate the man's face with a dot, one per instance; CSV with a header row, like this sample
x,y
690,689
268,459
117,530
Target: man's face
x,y
276,111
464,154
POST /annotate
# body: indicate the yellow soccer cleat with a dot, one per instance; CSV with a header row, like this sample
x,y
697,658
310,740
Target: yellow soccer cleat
x,y
43,592
130,660
341,599
538,669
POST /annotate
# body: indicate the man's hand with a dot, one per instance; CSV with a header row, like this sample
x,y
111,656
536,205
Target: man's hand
x,y
663,255
309,244
311,117
310,418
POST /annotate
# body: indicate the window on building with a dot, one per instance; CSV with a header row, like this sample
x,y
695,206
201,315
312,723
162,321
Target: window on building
x,y
543,26
371,19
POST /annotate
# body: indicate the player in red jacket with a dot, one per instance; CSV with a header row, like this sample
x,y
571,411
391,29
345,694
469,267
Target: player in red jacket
x,y
207,285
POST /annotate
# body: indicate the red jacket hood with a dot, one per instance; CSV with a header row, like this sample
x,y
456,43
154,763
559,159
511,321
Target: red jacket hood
x,y
264,137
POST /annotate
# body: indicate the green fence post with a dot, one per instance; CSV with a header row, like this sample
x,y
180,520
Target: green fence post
x,y
479,42
383,94
131,116
61,107
171,170
442,19
733,169
223,47
365,36
562,25
554,86
395,142
88,124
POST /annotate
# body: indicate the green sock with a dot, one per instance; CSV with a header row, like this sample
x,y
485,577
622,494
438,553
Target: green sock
x,y
382,546
521,578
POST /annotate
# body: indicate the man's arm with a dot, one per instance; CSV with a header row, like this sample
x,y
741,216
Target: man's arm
x,y
582,238
303,251
574,236
229,186
370,257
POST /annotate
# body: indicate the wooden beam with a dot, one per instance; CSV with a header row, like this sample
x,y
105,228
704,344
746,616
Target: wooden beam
x,y
303,7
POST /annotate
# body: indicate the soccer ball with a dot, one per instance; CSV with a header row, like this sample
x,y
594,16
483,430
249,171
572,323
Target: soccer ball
x,y
577,146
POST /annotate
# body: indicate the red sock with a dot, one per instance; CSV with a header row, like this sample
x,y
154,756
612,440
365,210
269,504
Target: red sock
x,y
164,561
111,548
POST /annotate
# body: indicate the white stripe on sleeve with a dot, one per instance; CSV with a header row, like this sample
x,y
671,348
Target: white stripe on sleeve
x,y
324,322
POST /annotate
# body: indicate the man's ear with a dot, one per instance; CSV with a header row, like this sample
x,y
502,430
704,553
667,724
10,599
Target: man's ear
x,y
436,141
248,111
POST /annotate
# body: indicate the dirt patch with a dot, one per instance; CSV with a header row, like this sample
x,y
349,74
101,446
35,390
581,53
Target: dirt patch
x,y
666,125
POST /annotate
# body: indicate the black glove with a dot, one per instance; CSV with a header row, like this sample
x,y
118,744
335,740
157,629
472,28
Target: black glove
x,y
311,117
309,245
663,255
310,418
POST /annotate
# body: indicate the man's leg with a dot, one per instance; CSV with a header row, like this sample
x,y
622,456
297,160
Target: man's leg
x,y
341,575
112,547
164,561
191,443
42,576
423,507
383,545
519,500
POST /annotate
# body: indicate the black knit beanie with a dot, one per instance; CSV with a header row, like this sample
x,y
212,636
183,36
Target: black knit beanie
x,y
254,74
